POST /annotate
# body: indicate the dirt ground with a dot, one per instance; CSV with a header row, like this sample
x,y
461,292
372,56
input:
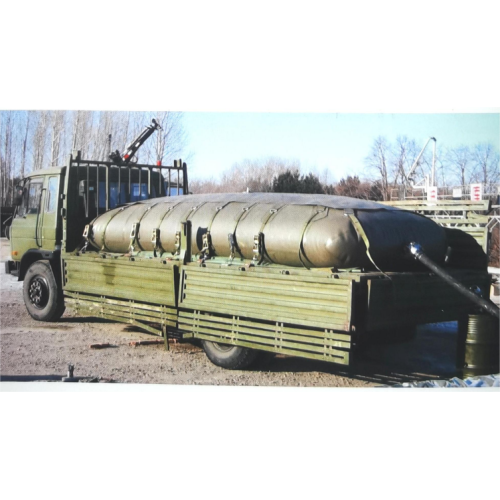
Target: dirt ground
x,y
42,350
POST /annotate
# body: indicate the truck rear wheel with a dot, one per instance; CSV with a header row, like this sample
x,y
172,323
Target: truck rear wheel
x,y
42,297
231,357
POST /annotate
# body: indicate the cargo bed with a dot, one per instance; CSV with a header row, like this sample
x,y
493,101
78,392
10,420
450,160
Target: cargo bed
x,y
314,314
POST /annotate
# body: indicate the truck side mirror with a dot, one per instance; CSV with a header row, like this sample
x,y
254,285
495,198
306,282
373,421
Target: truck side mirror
x,y
18,198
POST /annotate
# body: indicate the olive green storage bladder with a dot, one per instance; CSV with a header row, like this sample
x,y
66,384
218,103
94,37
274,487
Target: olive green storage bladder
x,y
311,231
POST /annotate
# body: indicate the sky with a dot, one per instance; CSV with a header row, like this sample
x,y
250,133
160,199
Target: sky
x,y
336,141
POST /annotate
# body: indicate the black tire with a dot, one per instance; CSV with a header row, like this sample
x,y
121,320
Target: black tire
x,y
42,297
231,357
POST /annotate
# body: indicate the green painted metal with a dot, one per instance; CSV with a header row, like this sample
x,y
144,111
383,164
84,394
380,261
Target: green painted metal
x,y
478,345
139,314
312,336
279,298
267,336
46,171
38,227
145,281
442,205
283,310
50,226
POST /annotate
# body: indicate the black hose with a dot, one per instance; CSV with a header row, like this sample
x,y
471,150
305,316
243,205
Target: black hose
x,y
418,254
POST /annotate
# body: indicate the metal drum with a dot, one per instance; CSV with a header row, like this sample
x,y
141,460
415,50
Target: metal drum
x,y
478,346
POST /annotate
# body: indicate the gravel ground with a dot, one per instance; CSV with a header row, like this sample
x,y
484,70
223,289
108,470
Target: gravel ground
x,y
31,348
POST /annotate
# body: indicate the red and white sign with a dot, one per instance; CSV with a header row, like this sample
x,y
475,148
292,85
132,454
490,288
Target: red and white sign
x,y
476,192
432,193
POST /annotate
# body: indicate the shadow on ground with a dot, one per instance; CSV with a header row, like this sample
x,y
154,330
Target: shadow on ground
x,y
82,319
431,354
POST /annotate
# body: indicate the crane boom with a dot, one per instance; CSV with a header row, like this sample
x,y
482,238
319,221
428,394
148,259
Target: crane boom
x,y
415,163
131,149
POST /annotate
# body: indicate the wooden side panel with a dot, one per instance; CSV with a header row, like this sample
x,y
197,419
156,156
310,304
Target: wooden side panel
x,y
325,345
320,303
146,316
306,316
145,281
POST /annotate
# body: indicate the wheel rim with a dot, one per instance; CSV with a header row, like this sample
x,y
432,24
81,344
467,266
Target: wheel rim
x,y
222,347
39,292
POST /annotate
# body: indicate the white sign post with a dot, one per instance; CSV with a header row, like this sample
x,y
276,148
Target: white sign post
x,y
476,192
432,193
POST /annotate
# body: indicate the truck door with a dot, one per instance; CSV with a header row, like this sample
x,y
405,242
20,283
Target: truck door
x,y
50,204
26,231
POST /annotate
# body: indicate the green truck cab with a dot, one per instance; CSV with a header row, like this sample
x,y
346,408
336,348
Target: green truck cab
x,y
54,205
36,226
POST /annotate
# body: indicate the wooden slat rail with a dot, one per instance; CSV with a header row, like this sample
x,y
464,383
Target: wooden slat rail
x,y
442,205
467,215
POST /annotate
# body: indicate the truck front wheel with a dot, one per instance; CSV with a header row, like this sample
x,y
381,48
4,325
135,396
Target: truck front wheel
x,y
42,297
231,357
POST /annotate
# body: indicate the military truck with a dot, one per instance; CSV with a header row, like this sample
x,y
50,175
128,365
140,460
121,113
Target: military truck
x,y
312,276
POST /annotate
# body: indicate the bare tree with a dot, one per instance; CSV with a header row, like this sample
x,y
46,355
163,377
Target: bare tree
x,y
40,139
202,186
25,134
168,142
256,175
82,132
126,127
31,140
459,162
6,130
325,177
392,164
404,155
378,161
247,175
58,131
105,124
10,151
486,163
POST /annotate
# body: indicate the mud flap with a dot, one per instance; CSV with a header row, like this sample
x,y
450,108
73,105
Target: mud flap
x,y
11,267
